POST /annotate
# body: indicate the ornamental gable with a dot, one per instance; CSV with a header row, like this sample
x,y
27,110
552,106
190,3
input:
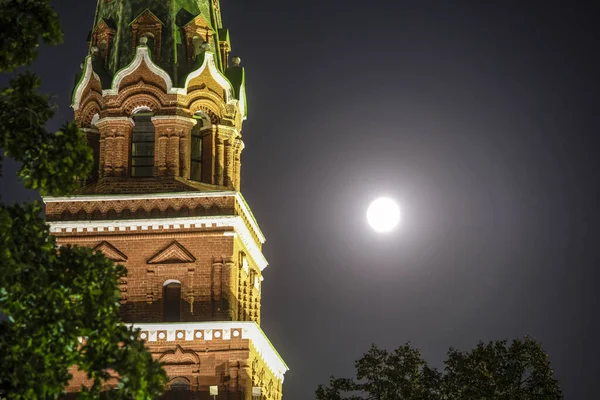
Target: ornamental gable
x,y
175,253
110,252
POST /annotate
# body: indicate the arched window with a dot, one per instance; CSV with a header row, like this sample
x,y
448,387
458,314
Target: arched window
x,y
179,385
142,145
172,301
202,123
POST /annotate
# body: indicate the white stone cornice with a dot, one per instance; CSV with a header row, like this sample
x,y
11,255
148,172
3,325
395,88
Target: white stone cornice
x,y
249,216
157,196
166,224
88,72
188,332
142,196
141,55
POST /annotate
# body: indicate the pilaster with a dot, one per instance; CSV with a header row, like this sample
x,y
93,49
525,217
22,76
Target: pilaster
x,y
115,139
229,164
172,151
233,376
239,146
217,281
209,155
93,139
220,161
230,282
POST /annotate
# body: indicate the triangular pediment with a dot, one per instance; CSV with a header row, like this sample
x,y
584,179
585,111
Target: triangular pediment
x,y
199,22
110,252
146,17
104,25
175,253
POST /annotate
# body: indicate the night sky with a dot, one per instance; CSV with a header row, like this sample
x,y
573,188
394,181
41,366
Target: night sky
x,y
480,117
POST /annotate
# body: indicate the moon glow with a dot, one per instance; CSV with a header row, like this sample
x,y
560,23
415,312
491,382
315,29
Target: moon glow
x,y
383,215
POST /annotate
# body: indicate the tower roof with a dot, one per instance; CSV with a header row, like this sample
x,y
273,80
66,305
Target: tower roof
x,y
169,58
175,30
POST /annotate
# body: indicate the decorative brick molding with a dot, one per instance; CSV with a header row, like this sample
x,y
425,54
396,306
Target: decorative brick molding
x,y
175,253
162,225
115,148
57,204
110,252
142,56
202,332
143,85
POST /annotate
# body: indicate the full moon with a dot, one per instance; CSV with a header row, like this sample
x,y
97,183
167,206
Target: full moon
x,y
383,214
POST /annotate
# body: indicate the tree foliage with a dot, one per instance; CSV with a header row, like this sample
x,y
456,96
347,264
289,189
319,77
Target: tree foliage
x,y
53,163
498,370
54,297
59,304
23,23
493,371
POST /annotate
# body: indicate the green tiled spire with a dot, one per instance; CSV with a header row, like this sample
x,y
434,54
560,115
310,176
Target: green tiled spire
x,y
169,25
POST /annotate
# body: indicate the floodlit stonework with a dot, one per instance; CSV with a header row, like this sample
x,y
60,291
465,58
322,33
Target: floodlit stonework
x,y
162,106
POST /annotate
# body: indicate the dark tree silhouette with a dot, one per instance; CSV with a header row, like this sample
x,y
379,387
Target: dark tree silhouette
x,y
493,371
58,305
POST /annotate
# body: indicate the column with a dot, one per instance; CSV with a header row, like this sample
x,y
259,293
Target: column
x,y
92,136
109,141
239,146
102,155
191,288
115,139
233,377
245,379
229,178
160,151
184,154
217,294
172,154
220,164
184,128
122,147
209,156
230,288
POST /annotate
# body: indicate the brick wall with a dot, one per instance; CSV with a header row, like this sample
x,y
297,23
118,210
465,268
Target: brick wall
x,y
233,365
210,284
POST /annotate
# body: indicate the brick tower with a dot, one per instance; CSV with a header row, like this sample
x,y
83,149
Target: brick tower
x,y
162,106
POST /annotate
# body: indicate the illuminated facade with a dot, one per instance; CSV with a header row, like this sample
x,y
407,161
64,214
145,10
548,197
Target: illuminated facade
x,y
162,104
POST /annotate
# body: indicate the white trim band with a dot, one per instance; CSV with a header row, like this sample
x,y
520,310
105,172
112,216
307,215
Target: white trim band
x,y
154,196
235,222
205,331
